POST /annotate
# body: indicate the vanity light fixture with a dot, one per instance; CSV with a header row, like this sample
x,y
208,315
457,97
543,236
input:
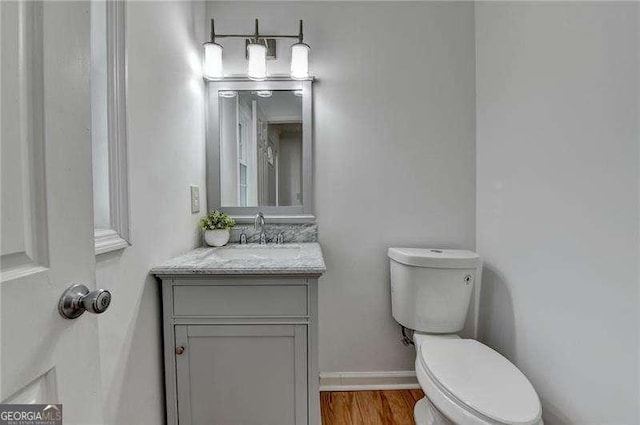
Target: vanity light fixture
x,y
300,59
257,66
264,93
212,66
257,55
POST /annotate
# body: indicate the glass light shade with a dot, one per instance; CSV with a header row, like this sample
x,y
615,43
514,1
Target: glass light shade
x,y
227,94
212,61
300,61
257,68
264,93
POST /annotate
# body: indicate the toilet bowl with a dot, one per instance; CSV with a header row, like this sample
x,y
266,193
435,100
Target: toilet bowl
x,y
464,381
468,383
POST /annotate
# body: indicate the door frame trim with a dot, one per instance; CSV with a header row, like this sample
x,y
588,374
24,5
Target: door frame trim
x,y
118,236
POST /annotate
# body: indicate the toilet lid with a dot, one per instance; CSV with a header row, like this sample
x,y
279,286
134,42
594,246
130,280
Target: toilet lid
x,y
481,379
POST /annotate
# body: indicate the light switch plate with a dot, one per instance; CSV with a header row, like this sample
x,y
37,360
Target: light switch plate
x,y
195,199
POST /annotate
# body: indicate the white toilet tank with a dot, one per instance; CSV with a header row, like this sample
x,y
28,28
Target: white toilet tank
x,y
431,288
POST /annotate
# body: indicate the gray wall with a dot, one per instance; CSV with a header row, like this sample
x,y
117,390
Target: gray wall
x,y
557,201
166,155
394,150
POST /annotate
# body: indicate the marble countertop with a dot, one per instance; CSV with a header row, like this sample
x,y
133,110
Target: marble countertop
x,y
232,260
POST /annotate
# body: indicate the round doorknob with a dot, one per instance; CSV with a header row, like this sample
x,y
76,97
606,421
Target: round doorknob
x,y
179,350
97,301
77,299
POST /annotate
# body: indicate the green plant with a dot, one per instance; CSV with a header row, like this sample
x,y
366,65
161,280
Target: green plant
x,y
216,220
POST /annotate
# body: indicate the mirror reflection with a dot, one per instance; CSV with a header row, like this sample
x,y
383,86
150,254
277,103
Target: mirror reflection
x,y
260,148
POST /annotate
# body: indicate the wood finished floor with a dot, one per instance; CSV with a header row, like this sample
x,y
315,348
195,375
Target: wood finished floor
x,y
369,407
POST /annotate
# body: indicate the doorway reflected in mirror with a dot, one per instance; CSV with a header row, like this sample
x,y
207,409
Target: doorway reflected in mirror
x,y
260,148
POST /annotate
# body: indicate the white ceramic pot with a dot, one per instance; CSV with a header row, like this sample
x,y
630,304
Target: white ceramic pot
x,y
218,237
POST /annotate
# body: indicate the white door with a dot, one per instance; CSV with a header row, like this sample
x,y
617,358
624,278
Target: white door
x,y
46,211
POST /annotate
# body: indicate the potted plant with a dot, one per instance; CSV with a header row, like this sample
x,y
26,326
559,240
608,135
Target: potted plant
x,y
216,225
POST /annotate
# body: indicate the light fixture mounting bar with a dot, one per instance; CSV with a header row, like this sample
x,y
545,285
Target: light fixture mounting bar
x,y
256,35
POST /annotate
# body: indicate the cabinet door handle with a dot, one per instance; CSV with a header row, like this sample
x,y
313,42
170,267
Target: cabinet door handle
x,y
179,350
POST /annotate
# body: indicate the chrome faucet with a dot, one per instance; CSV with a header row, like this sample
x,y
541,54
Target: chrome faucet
x,y
259,222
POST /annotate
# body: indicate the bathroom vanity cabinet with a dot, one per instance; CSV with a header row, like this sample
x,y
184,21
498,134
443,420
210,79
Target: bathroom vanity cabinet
x,y
241,348
241,335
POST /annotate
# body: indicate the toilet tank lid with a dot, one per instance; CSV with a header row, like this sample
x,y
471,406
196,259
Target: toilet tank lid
x,y
435,257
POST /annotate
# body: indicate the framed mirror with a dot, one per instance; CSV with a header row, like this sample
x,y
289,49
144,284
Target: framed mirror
x,y
259,149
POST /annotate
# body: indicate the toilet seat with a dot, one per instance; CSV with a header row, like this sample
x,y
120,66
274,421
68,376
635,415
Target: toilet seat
x,y
473,384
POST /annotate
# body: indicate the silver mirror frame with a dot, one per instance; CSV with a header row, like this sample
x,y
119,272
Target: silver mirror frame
x,y
273,214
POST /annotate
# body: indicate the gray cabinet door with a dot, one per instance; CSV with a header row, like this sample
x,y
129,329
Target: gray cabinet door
x,y
242,374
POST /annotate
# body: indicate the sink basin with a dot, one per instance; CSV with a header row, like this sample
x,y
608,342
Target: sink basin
x,y
258,252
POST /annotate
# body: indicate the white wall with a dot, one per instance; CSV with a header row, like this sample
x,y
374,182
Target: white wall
x,y
394,149
166,155
557,201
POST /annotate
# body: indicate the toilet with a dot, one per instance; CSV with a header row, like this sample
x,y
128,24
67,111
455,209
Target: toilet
x,y
464,381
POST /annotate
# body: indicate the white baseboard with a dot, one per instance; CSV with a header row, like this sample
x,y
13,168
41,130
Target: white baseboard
x,y
366,381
